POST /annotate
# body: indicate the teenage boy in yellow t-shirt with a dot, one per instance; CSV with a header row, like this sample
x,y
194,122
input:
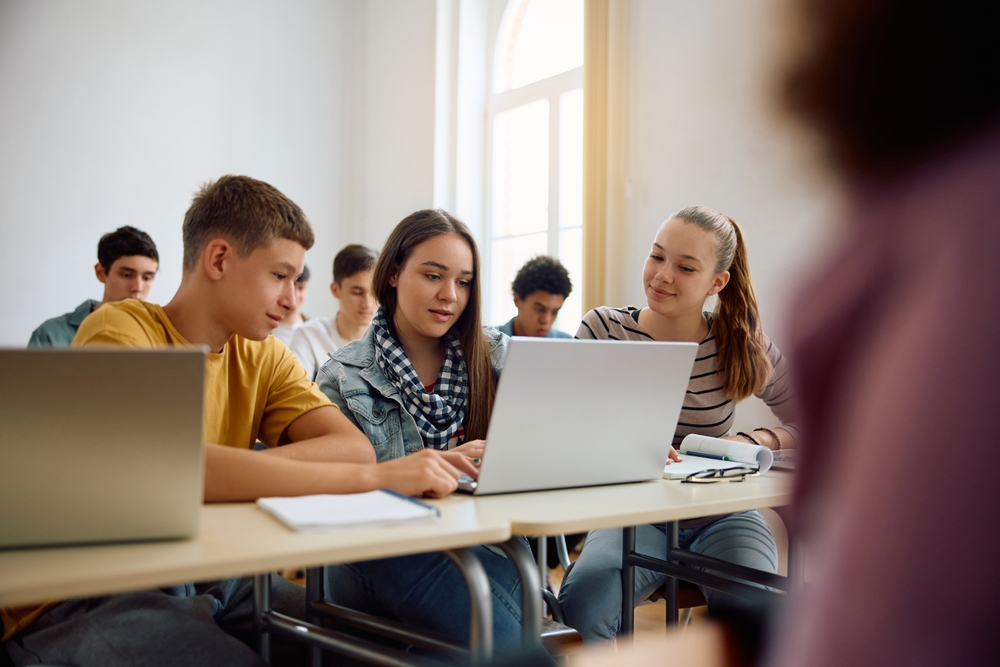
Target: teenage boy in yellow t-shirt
x,y
244,246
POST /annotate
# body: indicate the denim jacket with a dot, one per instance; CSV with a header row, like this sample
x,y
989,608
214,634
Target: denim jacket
x,y
353,380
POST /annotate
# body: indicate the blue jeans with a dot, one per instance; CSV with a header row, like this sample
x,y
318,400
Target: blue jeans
x,y
190,624
429,591
591,593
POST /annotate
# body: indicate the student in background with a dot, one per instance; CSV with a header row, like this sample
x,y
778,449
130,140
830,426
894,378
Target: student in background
x,y
540,289
696,254
244,246
423,377
127,263
317,339
294,319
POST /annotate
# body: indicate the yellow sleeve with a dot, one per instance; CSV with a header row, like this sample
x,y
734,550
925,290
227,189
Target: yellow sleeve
x,y
112,327
17,619
290,395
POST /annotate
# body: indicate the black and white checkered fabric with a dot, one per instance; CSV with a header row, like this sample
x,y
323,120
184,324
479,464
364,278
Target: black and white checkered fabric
x,y
440,415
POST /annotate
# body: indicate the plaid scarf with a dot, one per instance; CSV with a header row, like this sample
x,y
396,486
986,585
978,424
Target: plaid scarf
x,y
440,415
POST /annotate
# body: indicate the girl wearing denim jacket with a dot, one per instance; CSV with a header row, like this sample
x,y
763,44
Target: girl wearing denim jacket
x,y
424,375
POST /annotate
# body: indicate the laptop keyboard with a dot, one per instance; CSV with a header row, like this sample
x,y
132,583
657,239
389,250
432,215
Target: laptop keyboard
x,y
466,483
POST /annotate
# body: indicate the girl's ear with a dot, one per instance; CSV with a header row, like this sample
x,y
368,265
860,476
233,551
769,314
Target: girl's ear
x,y
394,278
720,281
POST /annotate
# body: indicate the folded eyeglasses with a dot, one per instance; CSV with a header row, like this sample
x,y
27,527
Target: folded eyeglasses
x,y
721,475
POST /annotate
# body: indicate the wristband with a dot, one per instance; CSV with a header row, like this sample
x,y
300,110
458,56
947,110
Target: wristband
x,y
748,437
777,440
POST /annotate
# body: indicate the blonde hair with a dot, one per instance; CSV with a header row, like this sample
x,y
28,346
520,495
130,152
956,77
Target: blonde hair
x,y
738,332
413,230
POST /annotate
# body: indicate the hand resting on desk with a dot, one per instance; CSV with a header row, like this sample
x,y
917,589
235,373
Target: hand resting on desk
x,y
426,473
673,456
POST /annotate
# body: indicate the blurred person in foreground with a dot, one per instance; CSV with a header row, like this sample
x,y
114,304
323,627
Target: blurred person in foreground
x,y
896,341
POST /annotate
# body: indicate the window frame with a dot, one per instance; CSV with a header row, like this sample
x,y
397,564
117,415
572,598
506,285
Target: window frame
x,y
551,89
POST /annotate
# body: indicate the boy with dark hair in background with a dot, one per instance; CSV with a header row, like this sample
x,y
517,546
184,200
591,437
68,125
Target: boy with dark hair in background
x,y
317,339
540,289
127,262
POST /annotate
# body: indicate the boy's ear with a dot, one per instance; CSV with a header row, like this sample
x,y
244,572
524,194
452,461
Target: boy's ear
x,y
215,258
335,290
100,272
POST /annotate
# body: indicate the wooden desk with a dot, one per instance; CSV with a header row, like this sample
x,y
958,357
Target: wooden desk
x,y
545,513
235,539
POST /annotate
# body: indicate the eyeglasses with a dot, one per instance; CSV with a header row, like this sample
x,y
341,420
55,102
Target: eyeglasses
x,y
721,475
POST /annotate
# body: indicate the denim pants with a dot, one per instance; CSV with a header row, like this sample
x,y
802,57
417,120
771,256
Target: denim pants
x,y
429,591
591,593
186,625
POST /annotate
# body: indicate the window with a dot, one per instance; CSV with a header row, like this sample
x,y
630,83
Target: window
x,y
536,139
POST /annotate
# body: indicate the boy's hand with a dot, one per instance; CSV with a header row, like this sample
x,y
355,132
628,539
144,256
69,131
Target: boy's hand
x,y
425,473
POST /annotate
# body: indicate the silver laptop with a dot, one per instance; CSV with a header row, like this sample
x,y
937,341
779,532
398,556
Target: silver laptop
x,y
581,413
100,445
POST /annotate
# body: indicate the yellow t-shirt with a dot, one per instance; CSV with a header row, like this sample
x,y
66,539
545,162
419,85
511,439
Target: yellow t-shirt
x,y
253,389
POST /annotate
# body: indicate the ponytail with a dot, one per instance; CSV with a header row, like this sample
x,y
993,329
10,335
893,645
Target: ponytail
x,y
738,332
739,335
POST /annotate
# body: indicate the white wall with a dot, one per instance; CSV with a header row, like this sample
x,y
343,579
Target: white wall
x,y
398,116
113,113
703,129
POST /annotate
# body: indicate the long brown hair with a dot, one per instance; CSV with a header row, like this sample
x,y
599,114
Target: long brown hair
x,y
411,231
738,332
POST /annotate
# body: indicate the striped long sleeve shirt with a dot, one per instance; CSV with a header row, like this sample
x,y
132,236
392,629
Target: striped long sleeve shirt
x,y
706,410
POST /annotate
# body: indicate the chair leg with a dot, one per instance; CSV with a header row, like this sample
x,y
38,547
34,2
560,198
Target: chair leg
x,y
543,561
563,552
671,586
480,605
531,603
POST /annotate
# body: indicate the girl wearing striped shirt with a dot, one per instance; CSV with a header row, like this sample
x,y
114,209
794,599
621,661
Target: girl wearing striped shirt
x,y
696,254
